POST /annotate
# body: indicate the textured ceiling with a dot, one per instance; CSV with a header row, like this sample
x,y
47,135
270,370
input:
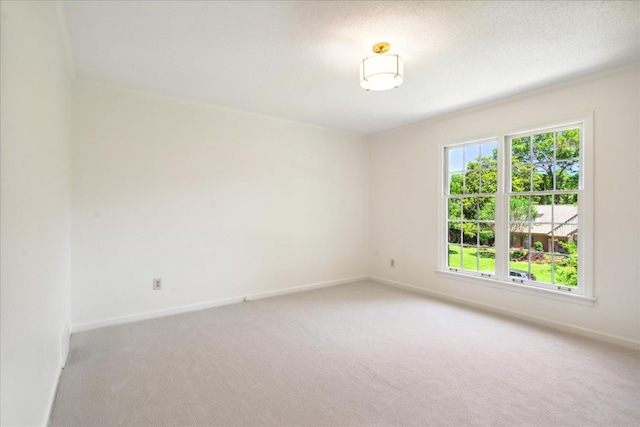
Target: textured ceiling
x,y
299,60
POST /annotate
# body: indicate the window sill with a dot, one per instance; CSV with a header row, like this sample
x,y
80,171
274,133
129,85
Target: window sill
x,y
520,288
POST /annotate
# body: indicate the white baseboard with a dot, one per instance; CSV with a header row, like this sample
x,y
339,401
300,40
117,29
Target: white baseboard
x,y
52,399
79,327
303,288
64,344
64,352
578,330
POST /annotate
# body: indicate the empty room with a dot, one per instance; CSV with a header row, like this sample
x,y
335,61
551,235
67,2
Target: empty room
x,y
320,213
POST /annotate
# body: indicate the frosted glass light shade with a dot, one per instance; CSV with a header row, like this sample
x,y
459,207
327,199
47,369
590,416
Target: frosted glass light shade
x,y
381,72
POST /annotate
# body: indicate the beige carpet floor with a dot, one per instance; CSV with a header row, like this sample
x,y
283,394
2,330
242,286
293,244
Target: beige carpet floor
x,y
361,354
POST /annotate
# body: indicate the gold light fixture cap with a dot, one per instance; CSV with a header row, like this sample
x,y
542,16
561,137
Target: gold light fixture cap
x,y
382,47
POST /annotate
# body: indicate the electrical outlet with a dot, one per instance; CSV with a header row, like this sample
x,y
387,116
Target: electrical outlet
x,y
392,263
157,284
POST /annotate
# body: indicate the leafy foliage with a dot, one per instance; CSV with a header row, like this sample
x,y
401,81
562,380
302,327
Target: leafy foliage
x,y
570,248
539,165
521,212
567,276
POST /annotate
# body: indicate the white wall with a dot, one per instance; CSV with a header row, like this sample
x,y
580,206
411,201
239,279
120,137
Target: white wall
x,y
222,204
35,207
217,203
404,191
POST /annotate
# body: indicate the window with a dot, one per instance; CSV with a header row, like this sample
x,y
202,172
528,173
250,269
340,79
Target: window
x,y
473,183
517,208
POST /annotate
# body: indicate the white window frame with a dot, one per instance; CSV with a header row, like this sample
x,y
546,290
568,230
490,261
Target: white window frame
x,y
584,293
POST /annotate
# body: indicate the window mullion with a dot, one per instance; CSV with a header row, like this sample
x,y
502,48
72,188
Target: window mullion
x,y
502,213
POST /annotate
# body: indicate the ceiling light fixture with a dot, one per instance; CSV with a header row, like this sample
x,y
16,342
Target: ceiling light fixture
x,y
382,71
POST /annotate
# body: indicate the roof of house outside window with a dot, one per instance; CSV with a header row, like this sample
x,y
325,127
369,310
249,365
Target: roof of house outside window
x,y
563,222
